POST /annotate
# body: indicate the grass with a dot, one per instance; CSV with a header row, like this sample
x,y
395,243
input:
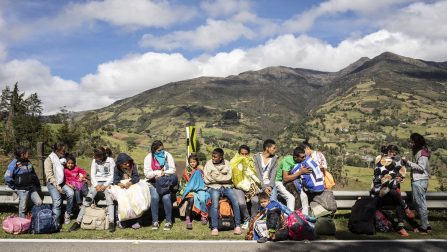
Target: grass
x,y
438,220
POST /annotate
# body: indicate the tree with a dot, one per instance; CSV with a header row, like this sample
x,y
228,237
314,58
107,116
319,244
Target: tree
x,y
131,143
21,118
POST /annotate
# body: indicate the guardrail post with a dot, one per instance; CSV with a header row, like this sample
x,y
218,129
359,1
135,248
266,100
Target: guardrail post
x,y
41,172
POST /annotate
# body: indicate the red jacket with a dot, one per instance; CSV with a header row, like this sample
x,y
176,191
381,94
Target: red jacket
x,y
72,177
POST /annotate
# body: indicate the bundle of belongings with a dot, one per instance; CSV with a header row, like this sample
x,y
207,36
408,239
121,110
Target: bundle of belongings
x,y
268,225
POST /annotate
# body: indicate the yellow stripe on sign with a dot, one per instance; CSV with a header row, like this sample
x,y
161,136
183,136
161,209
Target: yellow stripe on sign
x,y
192,139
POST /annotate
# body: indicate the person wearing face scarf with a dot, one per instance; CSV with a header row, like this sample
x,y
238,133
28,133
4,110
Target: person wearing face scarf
x,y
159,163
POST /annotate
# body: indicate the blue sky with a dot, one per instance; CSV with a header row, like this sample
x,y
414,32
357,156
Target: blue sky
x,y
111,49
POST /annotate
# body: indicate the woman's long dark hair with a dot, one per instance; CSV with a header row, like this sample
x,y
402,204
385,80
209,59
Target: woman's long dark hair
x,y
419,142
155,145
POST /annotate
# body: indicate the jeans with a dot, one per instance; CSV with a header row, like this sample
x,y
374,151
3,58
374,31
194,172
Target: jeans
x,y
283,192
23,200
215,196
419,188
92,194
155,201
79,194
240,196
56,197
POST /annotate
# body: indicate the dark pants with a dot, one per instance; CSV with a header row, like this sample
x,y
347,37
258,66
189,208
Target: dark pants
x,y
189,205
80,194
393,197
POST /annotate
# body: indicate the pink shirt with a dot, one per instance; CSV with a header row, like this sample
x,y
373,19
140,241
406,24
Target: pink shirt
x,y
72,177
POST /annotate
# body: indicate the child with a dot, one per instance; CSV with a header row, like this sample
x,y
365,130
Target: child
x,y
274,218
21,176
126,174
193,191
102,171
76,177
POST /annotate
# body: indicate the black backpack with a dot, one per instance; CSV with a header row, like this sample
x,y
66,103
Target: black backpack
x,y
361,220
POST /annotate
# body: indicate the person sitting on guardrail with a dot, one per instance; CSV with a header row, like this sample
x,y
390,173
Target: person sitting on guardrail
x,y
54,173
388,174
101,175
76,178
420,174
246,183
20,176
217,176
159,169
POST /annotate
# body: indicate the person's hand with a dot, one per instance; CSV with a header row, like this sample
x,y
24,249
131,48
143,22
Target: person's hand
x,y
71,186
399,179
162,173
98,188
60,190
127,185
268,190
305,170
404,160
122,186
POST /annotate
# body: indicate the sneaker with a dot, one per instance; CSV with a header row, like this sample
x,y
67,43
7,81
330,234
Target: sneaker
x,y
155,225
421,231
67,218
215,232
75,227
136,225
245,224
204,220
403,232
168,226
429,229
237,230
111,227
262,240
409,213
120,225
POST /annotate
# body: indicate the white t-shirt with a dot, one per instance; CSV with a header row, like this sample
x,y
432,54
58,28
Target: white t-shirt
x,y
266,170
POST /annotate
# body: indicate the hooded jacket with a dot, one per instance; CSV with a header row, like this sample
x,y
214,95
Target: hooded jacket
x,y
119,173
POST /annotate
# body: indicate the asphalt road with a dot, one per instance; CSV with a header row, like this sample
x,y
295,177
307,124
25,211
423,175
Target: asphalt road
x,y
37,245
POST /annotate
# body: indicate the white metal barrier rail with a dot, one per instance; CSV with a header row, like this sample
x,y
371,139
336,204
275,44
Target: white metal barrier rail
x,y
345,199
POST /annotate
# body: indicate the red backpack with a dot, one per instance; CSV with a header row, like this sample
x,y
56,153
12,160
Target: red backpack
x,y
299,228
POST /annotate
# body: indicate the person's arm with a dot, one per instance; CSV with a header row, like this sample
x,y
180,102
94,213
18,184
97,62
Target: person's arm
x,y
49,173
207,173
9,174
284,208
116,176
171,164
291,177
323,161
148,172
93,168
83,173
419,166
134,176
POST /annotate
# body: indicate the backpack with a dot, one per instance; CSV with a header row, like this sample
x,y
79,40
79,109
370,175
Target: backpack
x,y
43,221
299,227
361,220
226,215
16,225
95,218
382,224
277,225
325,226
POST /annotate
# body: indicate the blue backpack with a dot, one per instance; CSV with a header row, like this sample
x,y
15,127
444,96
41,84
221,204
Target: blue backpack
x,y
43,221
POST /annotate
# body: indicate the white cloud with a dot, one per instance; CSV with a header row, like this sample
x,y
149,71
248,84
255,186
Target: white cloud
x,y
139,72
135,13
420,20
304,21
221,8
54,91
213,34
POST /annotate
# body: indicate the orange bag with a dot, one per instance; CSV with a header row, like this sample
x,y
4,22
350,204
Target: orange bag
x,y
225,209
329,181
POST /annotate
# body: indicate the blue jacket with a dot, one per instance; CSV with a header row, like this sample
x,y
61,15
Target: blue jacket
x,y
20,175
276,204
119,173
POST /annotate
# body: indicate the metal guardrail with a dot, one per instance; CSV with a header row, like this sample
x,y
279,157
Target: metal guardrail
x,y
345,199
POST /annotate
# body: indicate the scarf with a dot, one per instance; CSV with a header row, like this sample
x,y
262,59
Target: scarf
x,y
58,168
246,178
158,160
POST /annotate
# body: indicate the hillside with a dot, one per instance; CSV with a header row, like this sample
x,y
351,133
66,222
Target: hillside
x,y
370,102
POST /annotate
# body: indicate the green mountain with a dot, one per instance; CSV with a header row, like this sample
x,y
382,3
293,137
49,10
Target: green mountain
x,y
368,102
